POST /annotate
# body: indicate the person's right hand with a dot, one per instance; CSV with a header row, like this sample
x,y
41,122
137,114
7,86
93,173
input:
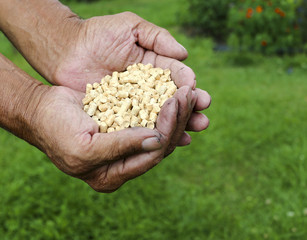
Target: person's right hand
x,y
105,161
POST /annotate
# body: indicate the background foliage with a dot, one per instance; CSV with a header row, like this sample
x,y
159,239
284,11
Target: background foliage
x,y
251,25
207,17
243,178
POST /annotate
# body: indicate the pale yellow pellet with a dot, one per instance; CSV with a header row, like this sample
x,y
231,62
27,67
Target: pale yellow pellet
x,y
93,94
135,110
86,107
95,85
162,89
127,117
149,107
134,121
122,94
125,124
153,116
162,100
150,124
116,109
125,106
103,127
135,102
171,89
103,99
92,109
119,121
131,98
89,87
110,120
102,117
110,130
156,108
106,79
144,123
87,99
109,112
146,99
95,118
143,114
103,107
99,89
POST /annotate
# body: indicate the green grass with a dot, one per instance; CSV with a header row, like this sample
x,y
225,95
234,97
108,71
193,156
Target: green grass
x,y
243,178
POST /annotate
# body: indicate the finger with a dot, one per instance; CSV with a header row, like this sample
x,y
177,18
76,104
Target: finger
x,y
184,95
197,122
203,100
184,140
108,179
137,165
167,120
159,40
110,147
181,74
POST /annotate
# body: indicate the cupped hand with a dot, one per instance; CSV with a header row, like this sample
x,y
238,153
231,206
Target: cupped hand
x,y
100,45
71,139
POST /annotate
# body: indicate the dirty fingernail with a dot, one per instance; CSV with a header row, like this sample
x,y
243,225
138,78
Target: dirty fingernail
x,y
151,144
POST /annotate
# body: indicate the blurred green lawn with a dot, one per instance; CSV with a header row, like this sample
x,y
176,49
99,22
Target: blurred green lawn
x,y
243,178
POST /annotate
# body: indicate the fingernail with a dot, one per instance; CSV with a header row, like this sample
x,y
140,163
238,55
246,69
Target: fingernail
x,y
183,47
151,144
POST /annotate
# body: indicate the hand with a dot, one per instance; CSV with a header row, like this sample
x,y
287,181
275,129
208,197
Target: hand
x,y
101,45
105,161
70,52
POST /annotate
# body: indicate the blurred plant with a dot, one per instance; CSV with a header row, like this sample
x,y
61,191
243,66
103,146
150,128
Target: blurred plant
x,y
266,26
207,17
302,20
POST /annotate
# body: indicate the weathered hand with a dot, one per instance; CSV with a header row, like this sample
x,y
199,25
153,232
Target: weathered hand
x,y
105,161
71,52
101,45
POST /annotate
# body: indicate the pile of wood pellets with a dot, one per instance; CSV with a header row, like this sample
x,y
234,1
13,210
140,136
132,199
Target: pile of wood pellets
x,y
132,98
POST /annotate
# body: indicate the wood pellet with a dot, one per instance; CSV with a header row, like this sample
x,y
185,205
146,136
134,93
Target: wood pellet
x,y
132,98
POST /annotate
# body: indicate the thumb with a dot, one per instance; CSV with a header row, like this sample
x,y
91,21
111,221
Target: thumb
x,y
110,147
160,41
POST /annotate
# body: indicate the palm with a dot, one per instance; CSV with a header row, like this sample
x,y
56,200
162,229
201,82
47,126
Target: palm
x,y
72,141
111,43
101,51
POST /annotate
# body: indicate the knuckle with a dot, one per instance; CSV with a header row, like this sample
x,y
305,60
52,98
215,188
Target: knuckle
x,y
104,187
129,14
103,182
164,31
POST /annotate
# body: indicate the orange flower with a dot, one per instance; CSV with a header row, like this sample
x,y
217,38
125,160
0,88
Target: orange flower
x,y
249,13
264,43
277,10
282,14
259,9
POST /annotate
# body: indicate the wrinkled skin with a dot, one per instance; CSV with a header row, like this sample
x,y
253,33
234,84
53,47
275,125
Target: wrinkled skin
x,y
100,45
105,161
84,51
